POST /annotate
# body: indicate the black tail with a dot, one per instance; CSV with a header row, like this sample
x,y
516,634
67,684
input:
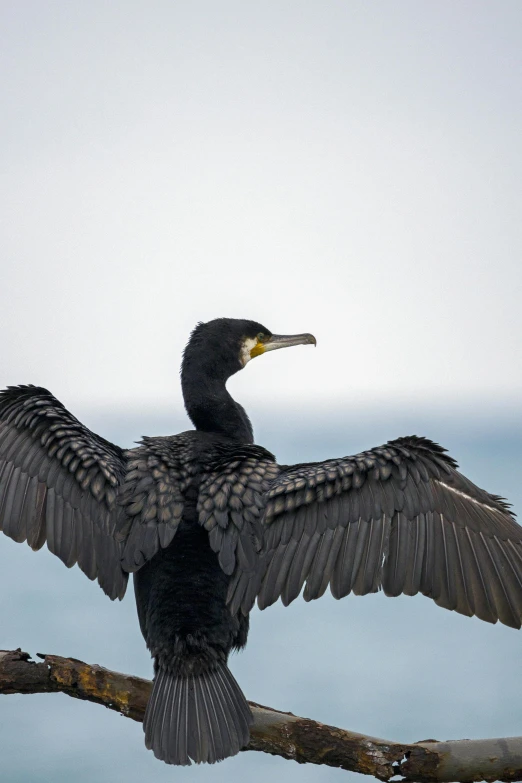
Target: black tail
x,y
205,718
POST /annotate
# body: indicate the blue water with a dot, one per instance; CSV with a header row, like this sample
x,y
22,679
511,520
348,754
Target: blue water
x,y
400,669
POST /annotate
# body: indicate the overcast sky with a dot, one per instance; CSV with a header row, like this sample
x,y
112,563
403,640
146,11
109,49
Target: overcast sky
x,y
347,168
351,168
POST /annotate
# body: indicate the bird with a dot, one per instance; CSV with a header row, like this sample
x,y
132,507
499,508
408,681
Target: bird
x,y
208,523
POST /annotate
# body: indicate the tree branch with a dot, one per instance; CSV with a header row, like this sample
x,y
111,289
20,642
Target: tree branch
x,y
279,733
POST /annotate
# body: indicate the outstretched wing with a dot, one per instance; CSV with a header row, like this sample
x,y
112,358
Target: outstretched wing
x,y
400,518
58,485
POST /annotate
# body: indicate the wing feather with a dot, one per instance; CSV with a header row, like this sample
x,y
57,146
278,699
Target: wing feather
x,y
329,569
296,575
341,584
318,567
413,571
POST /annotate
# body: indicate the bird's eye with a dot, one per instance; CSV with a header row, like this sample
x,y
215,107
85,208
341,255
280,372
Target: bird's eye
x,y
261,337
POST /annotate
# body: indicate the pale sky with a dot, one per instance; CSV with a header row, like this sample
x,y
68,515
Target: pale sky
x,y
349,168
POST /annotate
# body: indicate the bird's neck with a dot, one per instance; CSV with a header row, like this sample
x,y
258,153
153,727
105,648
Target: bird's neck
x,y
211,408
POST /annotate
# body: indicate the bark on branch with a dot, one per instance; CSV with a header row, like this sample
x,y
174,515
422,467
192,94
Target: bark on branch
x,y
279,733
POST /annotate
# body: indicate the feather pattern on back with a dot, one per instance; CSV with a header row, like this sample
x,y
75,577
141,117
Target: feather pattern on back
x,y
231,503
160,472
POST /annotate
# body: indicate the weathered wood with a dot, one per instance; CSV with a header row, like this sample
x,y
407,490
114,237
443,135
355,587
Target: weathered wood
x,y
279,733
121,692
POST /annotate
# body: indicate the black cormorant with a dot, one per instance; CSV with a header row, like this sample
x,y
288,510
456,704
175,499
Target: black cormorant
x,y
207,522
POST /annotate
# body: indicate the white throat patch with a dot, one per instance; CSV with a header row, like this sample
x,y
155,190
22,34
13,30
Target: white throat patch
x,y
244,354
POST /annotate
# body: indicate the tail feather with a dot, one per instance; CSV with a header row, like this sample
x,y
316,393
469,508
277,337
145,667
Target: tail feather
x,y
203,718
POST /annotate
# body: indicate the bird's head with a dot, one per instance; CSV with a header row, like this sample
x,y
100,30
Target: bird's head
x,y
224,346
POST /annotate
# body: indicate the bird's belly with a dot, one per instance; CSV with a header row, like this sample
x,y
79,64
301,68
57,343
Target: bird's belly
x,y
181,600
